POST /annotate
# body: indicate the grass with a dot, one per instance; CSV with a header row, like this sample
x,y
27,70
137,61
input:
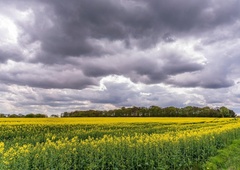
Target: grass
x,y
226,159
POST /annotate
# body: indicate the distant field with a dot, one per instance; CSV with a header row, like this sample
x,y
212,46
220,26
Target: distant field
x,y
113,143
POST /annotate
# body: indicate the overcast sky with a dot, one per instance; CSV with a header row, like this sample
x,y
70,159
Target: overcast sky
x,y
61,55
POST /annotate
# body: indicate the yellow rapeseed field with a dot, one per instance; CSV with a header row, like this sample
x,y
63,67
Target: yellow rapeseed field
x,y
113,143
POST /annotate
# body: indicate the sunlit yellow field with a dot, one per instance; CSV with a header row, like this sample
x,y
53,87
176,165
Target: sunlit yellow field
x,y
104,120
113,143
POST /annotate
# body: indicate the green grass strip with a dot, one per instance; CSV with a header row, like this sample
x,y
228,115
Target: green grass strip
x,y
226,159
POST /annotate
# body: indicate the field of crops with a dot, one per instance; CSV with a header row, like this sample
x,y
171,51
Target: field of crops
x,y
113,143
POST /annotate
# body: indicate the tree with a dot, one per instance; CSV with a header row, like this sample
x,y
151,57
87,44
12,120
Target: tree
x,y
2,115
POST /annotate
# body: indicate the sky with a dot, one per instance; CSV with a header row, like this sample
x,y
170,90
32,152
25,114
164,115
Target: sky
x,y
62,55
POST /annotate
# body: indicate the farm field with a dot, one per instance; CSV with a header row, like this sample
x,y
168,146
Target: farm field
x,y
113,143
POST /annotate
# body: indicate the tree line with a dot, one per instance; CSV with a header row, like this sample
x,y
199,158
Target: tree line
x,y
30,115
155,111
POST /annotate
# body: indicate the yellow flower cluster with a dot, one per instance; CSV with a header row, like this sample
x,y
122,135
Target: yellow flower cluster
x,y
112,143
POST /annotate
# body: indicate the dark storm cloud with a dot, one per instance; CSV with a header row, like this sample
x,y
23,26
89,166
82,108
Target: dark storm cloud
x,y
177,64
212,82
64,29
9,55
168,38
95,69
81,28
217,83
46,77
141,68
214,76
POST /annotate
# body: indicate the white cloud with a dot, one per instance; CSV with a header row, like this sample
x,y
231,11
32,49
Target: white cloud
x,y
8,31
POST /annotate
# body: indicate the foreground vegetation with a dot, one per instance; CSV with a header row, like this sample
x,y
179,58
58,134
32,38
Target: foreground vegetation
x,y
227,158
113,143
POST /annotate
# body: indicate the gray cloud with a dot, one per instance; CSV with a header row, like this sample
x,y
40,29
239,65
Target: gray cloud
x,y
55,55
8,54
45,77
64,29
213,78
142,68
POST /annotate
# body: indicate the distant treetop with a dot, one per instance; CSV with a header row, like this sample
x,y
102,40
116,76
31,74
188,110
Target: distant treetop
x,y
155,111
